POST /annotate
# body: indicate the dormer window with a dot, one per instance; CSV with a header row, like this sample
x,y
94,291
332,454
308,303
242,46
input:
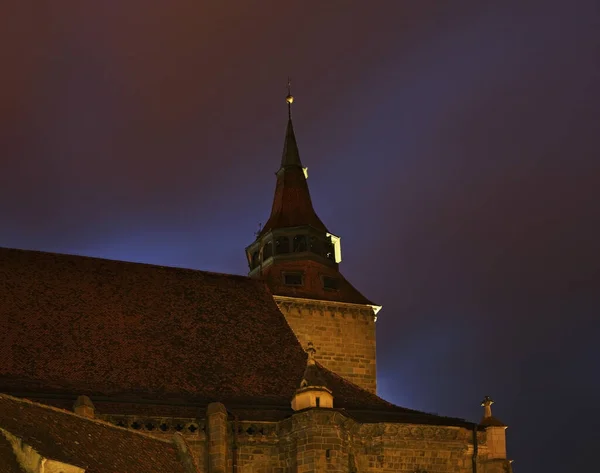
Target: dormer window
x,y
293,279
331,284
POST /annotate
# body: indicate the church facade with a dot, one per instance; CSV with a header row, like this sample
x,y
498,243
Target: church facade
x,y
117,367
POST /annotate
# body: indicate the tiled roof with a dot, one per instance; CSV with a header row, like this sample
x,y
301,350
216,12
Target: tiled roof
x,y
292,205
96,446
365,406
99,327
152,340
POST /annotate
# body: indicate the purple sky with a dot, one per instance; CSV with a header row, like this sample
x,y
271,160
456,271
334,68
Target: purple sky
x,y
454,146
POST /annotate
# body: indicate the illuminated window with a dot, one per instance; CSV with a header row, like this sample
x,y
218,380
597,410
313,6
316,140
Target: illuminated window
x,y
292,279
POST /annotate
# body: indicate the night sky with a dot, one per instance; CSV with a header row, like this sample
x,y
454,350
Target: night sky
x,y
454,146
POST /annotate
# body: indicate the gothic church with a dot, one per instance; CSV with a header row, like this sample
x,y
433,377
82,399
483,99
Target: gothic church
x,y
117,367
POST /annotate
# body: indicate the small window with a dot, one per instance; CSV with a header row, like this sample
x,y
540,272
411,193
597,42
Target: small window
x,y
333,284
299,243
267,251
282,245
318,402
293,279
254,259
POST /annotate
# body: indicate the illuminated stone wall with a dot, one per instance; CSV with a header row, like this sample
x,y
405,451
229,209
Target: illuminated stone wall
x,y
342,334
325,440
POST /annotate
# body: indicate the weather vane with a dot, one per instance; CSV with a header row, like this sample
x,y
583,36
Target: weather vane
x,y
290,98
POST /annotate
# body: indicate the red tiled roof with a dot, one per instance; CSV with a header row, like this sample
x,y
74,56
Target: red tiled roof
x,y
152,339
99,327
292,205
96,446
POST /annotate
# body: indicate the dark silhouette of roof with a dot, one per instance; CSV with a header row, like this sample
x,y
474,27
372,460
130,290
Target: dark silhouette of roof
x,y
96,446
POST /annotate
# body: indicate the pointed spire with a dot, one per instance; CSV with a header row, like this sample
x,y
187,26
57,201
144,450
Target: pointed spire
x,y
292,206
291,155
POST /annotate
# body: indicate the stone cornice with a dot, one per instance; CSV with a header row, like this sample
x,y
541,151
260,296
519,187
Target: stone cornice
x,y
321,306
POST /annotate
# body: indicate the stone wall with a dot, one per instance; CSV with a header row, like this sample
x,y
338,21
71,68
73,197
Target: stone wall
x,y
326,440
343,335
322,440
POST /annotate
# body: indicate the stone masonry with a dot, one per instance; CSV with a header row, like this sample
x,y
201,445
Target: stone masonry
x,y
325,440
343,335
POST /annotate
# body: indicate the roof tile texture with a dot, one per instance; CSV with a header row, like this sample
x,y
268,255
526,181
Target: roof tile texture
x,y
96,446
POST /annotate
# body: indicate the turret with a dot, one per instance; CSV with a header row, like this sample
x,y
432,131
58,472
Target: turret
x,y
313,391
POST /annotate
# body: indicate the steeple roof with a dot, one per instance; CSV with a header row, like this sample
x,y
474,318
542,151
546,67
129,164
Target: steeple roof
x,y
290,155
292,205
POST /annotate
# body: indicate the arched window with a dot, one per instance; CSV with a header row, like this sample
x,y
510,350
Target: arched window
x,y
254,259
300,243
267,250
282,245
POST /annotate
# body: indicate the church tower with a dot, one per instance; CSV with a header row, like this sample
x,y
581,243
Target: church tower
x,y
298,257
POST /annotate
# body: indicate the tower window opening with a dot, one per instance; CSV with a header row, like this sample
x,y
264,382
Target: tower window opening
x,y
267,250
315,245
333,284
300,243
254,259
318,400
292,279
282,245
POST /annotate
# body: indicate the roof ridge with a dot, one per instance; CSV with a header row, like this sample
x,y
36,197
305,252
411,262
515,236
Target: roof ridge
x,y
94,420
139,263
347,381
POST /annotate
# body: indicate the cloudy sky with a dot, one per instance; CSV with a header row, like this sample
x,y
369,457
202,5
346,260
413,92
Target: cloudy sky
x,y
454,146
